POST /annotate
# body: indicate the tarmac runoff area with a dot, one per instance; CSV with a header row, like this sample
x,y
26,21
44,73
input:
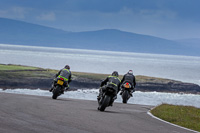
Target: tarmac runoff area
x,y
30,114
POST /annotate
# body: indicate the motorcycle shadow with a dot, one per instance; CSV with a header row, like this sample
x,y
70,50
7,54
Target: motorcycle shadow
x,y
60,99
108,111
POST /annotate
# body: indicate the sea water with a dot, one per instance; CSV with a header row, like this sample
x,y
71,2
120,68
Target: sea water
x,y
142,98
182,68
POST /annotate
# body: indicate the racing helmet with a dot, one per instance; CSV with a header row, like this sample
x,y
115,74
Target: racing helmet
x,y
67,67
130,72
115,73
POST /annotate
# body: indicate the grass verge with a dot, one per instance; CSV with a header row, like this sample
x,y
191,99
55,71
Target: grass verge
x,y
185,116
11,70
15,67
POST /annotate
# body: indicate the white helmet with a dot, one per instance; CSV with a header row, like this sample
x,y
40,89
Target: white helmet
x,y
130,72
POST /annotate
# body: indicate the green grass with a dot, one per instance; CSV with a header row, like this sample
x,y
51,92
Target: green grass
x,y
17,71
20,72
15,67
10,71
140,78
185,116
91,75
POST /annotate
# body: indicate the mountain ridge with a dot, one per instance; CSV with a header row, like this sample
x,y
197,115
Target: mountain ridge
x,y
23,33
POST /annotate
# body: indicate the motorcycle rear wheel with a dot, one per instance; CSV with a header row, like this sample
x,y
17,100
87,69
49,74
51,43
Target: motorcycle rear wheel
x,y
105,102
56,92
125,97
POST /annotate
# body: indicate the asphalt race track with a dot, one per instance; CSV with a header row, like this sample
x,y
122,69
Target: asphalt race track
x,y
38,114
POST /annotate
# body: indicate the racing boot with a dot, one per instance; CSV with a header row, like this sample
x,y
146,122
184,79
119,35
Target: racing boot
x,y
131,92
100,94
62,91
52,86
122,90
51,89
98,97
111,103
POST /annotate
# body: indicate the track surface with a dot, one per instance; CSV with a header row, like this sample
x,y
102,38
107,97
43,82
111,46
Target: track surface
x,y
37,114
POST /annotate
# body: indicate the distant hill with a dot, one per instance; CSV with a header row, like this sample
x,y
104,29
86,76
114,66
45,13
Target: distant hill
x,y
22,33
191,42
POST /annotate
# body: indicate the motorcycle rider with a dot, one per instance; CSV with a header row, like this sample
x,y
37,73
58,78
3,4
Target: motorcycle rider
x,y
64,73
130,78
113,79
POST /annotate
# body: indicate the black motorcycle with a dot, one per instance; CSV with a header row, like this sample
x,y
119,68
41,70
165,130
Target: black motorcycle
x,y
107,98
126,94
59,87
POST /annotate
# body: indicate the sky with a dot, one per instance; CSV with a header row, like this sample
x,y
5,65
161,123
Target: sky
x,y
169,19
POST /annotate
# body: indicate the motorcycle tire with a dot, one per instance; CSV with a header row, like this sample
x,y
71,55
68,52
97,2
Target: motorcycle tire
x,y
56,92
125,96
105,102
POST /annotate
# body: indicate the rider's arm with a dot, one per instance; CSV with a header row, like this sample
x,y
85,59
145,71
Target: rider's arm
x,y
122,79
70,79
104,82
134,82
120,84
58,73
119,87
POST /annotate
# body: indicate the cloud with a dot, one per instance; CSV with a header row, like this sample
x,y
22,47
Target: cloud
x,y
14,12
163,18
50,16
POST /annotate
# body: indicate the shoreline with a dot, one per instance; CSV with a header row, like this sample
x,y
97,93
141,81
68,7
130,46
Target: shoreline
x,y
17,76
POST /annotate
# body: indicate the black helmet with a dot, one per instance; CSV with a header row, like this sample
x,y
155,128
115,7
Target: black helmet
x,y
67,67
115,73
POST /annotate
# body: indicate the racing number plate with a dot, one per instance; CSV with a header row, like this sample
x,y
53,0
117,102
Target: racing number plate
x,y
127,86
60,82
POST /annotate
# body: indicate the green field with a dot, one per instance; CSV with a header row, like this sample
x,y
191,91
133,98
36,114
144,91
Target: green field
x,y
15,67
185,116
15,74
28,71
11,71
19,70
